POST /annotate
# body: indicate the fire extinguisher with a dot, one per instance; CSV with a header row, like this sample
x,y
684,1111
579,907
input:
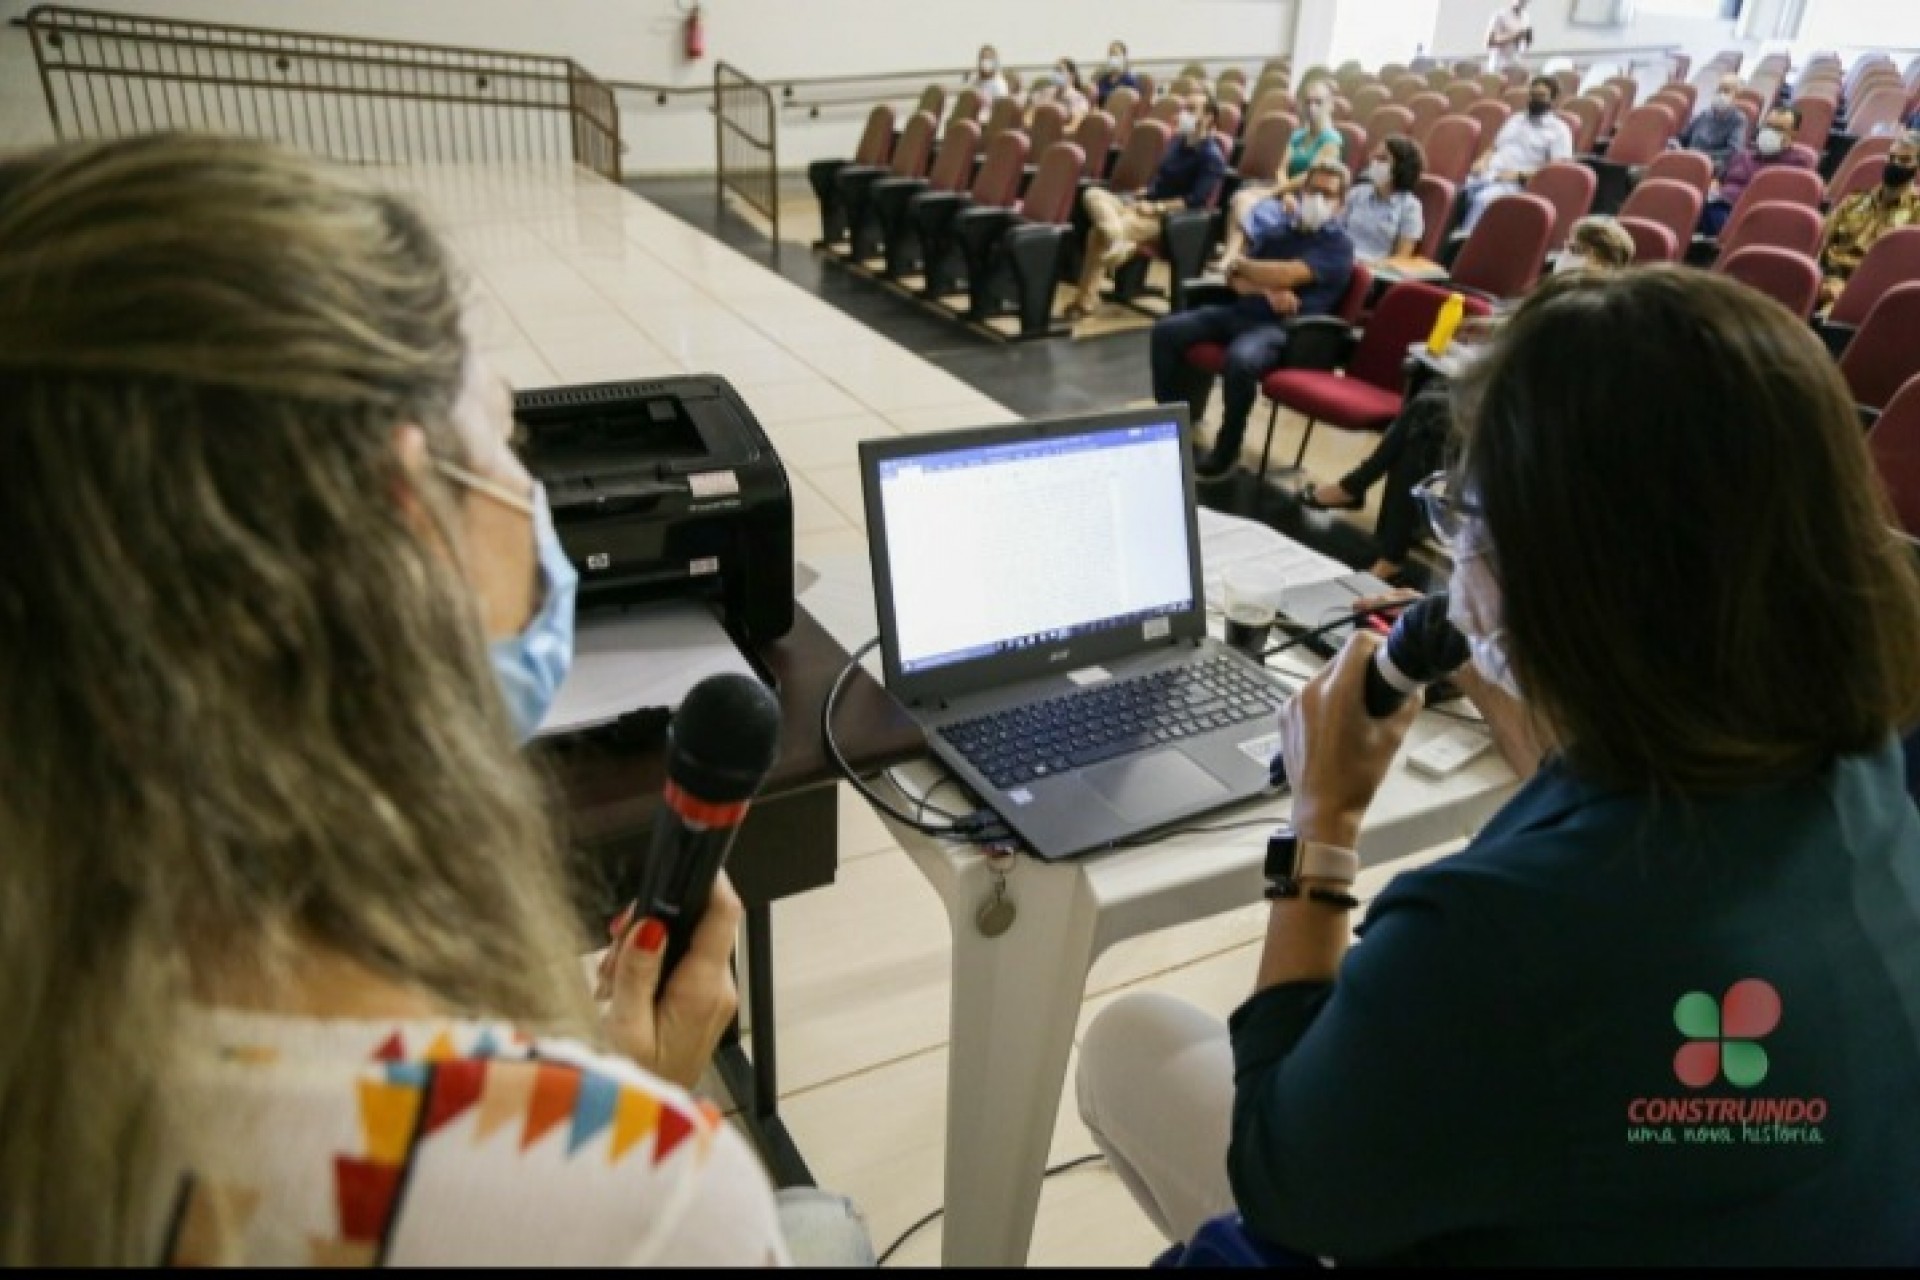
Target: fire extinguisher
x,y
696,35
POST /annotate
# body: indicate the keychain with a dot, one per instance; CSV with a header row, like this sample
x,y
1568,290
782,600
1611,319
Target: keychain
x,y
997,913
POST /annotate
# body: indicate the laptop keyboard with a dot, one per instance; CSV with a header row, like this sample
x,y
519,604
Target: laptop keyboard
x,y
1114,718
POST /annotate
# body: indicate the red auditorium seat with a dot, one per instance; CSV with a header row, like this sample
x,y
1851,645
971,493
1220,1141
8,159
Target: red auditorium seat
x,y
1368,396
1790,279
1894,444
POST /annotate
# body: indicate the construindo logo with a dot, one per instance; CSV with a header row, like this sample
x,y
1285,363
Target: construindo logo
x,y
1723,1035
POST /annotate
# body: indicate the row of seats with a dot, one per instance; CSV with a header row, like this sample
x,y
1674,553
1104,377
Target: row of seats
x,y
973,214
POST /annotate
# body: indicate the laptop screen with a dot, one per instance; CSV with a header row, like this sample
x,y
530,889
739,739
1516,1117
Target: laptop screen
x,y
994,547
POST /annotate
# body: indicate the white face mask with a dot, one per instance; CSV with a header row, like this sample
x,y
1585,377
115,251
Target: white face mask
x,y
1570,261
1379,173
1769,142
1186,122
1723,101
1115,62
1318,110
1473,607
988,66
1315,211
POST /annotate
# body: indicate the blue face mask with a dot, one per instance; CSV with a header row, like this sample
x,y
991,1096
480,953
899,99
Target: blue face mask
x,y
533,665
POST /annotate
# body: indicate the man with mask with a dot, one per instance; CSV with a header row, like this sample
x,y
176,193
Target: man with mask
x,y
1186,179
1772,145
1717,132
1118,73
1298,267
1860,219
1508,33
1525,145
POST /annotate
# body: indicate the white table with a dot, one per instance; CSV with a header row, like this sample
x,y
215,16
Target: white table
x,y
1017,997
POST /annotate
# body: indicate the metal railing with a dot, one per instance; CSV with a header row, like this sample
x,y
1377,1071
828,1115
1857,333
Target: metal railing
x,y
812,93
344,98
746,140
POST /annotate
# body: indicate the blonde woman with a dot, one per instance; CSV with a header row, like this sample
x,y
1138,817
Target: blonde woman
x,y
290,971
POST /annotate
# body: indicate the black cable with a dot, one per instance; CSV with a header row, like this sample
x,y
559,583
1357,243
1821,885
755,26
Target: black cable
x,y
917,1227
981,827
1157,836
922,801
1344,620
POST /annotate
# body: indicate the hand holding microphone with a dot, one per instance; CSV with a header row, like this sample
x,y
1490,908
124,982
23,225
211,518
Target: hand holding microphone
x,y
1340,733
668,971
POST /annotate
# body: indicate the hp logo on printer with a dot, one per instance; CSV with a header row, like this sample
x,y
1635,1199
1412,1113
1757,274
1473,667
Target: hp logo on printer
x,y
599,560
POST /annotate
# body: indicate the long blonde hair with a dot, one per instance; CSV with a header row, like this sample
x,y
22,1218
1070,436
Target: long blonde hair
x,y
245,705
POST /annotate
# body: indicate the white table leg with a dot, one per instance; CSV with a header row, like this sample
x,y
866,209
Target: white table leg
x,y
1016,1000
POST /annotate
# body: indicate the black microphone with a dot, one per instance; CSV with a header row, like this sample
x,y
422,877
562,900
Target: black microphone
x,y
1422,647
721,744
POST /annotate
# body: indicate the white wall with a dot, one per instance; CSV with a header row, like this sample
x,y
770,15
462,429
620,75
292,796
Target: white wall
x,y
640,40
1462,29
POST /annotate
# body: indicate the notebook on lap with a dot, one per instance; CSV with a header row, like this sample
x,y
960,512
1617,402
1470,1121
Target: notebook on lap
x,y
1042,618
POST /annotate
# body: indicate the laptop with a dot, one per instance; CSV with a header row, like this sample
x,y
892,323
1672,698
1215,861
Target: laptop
x,y
1042,618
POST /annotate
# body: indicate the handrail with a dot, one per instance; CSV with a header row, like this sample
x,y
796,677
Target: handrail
x,y
343,97
911,82
745,128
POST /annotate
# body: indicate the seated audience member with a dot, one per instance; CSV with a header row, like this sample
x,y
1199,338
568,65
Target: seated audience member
x,y
1414,446
1697,918
1525,145
1061,85
1772,145
1856,222
1313,141
1383,216
1720,131
1117,74
1186,179
286,918
987,79
1300,267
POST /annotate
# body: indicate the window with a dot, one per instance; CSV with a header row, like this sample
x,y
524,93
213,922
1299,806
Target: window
x,y
1703,10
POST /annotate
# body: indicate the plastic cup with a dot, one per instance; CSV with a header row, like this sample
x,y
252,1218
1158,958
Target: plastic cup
x,y
1251,596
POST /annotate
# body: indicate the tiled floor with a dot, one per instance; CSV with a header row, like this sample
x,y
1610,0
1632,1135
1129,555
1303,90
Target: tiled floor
x,y
578,280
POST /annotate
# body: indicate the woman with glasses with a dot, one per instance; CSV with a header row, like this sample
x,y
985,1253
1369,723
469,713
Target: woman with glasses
x,y
1664,1007
1415,442
292,974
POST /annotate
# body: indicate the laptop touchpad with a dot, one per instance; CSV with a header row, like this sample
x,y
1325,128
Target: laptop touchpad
x,y
1148,787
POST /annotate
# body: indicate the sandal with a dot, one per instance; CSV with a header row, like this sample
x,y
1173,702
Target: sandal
x,y
1312,503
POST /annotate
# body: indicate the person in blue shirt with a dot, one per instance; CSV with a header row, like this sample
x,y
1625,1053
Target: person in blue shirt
x,y
1188,178
1118,73
1664,1009
1298,266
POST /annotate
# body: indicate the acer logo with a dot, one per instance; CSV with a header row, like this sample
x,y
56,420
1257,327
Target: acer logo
x,y
1060,656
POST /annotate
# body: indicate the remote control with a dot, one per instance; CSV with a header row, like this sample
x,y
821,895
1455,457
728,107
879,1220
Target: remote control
x,y
1449,753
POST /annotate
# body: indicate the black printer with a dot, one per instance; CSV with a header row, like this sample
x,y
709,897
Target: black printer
x,y
666,487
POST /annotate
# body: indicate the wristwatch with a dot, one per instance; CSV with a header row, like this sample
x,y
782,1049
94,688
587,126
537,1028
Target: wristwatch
x,y
1291,859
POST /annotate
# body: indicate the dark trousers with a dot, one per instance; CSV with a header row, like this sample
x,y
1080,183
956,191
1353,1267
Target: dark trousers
x,y
1254,346
1713,218
1412,449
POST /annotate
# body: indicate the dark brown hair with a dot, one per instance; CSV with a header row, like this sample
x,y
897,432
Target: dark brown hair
x,y
1406,161
1699,580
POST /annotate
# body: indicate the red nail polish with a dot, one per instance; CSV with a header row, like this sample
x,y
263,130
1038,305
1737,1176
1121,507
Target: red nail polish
x,y
650,936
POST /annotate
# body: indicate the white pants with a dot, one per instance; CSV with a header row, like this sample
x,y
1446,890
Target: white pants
x,y
1482,192
1155,1086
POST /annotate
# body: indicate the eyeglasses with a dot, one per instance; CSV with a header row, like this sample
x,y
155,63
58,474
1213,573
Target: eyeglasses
x,y
1449,516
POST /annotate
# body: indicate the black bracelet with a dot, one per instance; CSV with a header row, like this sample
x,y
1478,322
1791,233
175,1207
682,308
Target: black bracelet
x,y
1283,887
